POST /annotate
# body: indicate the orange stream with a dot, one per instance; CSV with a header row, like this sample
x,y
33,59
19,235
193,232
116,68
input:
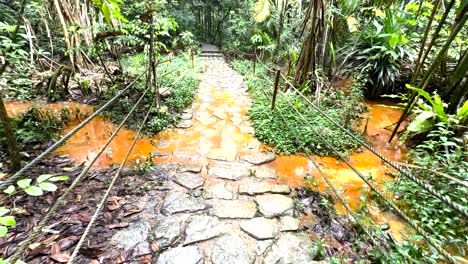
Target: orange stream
x,y
220,126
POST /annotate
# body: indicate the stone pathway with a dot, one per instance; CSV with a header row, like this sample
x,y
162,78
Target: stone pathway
x,y
224,204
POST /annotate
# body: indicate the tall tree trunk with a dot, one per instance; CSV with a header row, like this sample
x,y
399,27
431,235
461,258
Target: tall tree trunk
x,y
13,150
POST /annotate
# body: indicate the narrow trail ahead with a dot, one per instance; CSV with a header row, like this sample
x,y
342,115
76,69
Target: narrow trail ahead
x,y
222,206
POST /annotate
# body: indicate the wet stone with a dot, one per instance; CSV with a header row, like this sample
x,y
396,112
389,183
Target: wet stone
x,y
231,171
134,235
190,167
178,202
252,188
266,173
231,249
182,255
271,205
223,154
202,227
220,190
185,154
168,230
280,188
261,228
247,129
164,144
289,223
291,248
184,124
233,209
259,158
186,116
189,180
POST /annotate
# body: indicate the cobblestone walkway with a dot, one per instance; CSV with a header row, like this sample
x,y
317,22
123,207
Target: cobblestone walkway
x,y
223,204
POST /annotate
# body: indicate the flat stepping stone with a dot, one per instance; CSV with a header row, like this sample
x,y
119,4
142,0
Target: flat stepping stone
x,y
186,116
271,205
185,154
182,255
220,115
202,227
254,188
178,202
184,124
292,248
262,246
232,171
247,129
159,154
220,190
223,154
168,230
164,143
189,180
133,237
266,173
233,209
231,249
259,158
190,167
261,228
289,223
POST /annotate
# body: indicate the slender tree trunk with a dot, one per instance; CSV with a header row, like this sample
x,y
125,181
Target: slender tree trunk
x,y
10,136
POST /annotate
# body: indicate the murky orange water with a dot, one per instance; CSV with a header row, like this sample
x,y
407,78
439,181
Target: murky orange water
x,y
221,130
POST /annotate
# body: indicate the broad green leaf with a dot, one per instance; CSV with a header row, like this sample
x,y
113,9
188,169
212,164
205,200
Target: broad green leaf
x,y
462,114
352,23
9,190
411,6
47,186
422,123
2,174
43,177
262,10
23,183
7,220
3,231
4,211
106,12
59,178
34,191
438,106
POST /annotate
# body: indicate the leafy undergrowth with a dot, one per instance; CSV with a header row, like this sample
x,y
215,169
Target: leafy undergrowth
x,y
178,84
285,129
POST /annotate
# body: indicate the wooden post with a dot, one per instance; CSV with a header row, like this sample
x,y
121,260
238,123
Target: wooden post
x,y
275,89
255,62
193,58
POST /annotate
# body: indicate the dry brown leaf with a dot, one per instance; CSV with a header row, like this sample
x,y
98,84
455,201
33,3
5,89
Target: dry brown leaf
x,y
118,225
55,249
93,261
113,207
60,257
154,247
133,211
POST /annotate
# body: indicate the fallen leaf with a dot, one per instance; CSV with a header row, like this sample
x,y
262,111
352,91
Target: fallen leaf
x,y
60,257
154,247
68,242
84,217
133,211
118,225
113,207
93,261
50,239
55,249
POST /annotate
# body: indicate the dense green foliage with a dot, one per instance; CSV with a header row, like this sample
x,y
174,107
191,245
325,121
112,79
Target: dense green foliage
x,y
283,126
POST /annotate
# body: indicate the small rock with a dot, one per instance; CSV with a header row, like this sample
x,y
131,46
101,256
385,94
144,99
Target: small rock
x,y
159,154
189,180
202,227
233,208
259,158
190,167
289,223
271,205
253,188
165,92
291,249
177,202
266,173
223,154
261,228
262,246
232,250
128,238
232,171
220,190
168,230
186,116
182,255
184,124
247,129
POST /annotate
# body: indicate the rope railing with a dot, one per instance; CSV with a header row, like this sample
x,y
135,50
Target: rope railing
x,y
421,231
111,185
444,198
58,203
11,180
